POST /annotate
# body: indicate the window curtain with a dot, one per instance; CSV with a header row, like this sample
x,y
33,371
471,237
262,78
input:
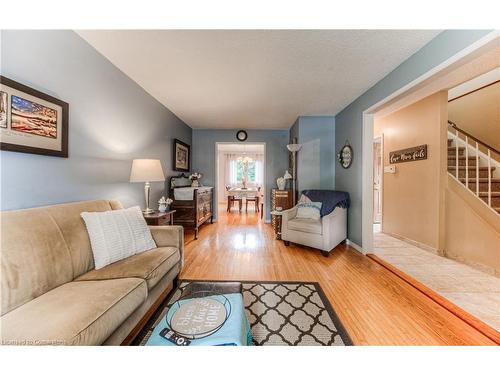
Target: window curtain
x,y
230,167
259,169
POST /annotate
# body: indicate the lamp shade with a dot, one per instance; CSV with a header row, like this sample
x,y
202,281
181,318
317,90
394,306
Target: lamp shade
x,y
146,170
293,147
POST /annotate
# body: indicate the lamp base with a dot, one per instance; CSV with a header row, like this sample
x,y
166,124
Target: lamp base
x,y
147,187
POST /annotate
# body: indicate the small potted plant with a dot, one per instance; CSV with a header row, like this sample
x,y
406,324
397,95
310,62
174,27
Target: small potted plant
x,y
164,203
195,177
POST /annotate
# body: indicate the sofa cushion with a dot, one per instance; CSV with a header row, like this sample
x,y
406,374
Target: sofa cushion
x,y
151,266
72,227
34,256
117,234
305,225
76,313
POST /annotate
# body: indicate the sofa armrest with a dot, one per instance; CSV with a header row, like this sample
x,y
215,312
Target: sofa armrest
x,y
169,235
287,215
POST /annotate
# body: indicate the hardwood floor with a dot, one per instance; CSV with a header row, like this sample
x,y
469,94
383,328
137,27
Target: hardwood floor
x,y
375,305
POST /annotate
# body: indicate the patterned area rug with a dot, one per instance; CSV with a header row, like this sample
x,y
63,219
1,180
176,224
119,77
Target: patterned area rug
x,y
280,313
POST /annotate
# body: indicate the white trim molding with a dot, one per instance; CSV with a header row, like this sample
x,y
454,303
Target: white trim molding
x,y
355,246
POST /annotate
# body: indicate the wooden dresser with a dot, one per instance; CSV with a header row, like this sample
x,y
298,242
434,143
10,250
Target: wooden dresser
x,y
283,199
191,213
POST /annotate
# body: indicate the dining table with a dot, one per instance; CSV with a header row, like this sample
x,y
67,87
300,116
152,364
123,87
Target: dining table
x,y
241,193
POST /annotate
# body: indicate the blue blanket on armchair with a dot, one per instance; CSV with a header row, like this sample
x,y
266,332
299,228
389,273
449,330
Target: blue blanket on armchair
x,y
329,199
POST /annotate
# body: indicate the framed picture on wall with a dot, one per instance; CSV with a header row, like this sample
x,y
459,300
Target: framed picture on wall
x,y
32,121
182,156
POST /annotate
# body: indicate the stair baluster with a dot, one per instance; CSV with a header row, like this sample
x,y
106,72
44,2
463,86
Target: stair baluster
x,y
477,169
456,154
489,178
487,188
466,162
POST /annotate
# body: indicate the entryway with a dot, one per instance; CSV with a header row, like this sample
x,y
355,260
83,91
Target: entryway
x,y
427,225
240,176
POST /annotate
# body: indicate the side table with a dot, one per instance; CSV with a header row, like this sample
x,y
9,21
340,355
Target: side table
x,y
160,218
277,223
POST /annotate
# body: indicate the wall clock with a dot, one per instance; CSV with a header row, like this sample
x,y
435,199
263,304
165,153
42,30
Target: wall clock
x,y
345,156
241,135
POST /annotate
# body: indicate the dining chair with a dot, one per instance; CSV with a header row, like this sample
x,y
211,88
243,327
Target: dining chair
x,y
231,199
255,198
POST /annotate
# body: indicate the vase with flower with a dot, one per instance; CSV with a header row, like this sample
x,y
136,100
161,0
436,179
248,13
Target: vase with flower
x,y
163,204
195,179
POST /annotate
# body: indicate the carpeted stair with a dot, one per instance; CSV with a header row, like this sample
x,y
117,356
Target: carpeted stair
x,y
482,179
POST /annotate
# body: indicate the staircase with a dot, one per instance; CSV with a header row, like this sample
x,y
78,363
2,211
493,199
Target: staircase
x,y
474,169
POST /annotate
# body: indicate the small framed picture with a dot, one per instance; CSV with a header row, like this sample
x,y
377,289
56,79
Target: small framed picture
x,y
182,156
3,109
32,121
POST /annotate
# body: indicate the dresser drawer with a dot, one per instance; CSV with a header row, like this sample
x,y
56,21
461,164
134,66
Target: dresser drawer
x,y
204,210
164,220
204,196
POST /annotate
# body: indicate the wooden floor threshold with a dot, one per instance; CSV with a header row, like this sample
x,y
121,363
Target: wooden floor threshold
x,y
471,320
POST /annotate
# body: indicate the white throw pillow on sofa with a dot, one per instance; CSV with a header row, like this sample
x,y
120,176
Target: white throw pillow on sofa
x,y
117,234
309,210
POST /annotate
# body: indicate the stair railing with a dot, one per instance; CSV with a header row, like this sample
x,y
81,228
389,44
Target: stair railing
x,y
489,149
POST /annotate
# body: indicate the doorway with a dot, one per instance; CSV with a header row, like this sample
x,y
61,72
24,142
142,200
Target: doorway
x,y
240,175
378,173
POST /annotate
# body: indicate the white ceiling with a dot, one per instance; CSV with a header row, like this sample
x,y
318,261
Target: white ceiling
x,y
256,78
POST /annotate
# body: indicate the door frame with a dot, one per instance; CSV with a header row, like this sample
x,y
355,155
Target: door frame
x,y
368,122
380,139
264,172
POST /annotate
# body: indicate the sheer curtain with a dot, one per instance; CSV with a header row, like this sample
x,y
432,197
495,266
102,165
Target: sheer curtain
x,y
230,168
259,169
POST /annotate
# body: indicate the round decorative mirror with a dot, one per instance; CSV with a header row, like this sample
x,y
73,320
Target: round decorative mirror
x,y
241,135
345,156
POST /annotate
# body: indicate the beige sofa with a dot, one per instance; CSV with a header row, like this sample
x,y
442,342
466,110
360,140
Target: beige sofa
x,y
51,293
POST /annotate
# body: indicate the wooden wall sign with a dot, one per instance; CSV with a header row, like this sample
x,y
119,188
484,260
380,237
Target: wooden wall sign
x,y
408,154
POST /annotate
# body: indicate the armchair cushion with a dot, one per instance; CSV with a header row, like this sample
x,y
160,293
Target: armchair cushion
x,y
330,199
305,225
309,210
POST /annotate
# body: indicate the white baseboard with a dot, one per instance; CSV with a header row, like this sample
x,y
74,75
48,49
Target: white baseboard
x,y
355,245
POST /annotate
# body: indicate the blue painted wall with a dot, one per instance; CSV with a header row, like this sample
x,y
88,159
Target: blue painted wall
x,y
316,158
349,120
204,141
112,121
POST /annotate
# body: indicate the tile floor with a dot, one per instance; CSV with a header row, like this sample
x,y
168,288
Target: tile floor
x,y
474,291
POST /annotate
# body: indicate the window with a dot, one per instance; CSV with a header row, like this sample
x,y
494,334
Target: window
x,y
250,171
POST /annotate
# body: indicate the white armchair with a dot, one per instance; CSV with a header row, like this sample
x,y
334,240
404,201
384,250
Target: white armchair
x,y
323,234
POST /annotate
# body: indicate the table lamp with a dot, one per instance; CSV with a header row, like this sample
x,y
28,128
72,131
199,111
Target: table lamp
x,y
146,170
